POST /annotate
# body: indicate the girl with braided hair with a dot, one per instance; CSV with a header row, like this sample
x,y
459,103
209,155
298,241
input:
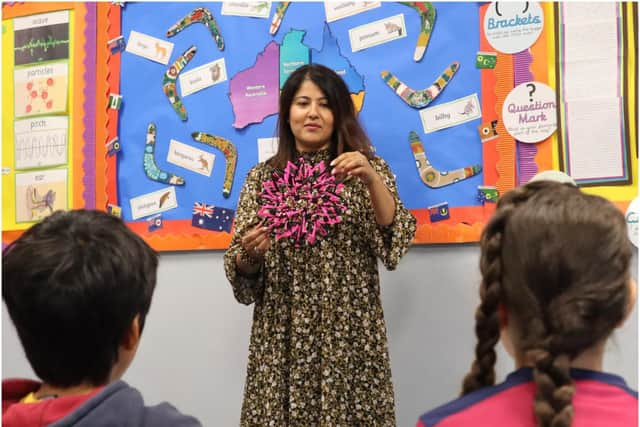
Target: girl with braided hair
x,y
555,284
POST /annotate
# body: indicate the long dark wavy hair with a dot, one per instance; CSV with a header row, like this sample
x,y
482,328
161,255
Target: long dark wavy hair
x,y
348,134
558,260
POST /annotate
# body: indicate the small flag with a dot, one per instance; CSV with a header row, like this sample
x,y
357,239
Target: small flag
x,y
113,146
115,101
487,194
212,218
114,210
117,45
486,60
488,131
439,212
154,223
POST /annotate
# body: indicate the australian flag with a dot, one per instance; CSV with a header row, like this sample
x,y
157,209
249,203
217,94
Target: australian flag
x,y
212,218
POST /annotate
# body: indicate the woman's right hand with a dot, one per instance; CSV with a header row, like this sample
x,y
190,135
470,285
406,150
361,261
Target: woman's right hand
x,y
256,242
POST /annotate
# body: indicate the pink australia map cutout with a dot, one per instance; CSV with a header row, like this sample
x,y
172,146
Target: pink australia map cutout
x,y
300,202
254,92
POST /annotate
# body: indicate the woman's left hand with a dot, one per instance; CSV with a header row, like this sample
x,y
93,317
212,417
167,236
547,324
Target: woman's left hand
x,y
353,163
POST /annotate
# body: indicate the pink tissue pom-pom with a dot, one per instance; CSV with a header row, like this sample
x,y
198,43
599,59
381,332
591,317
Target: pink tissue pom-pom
x,y
300,202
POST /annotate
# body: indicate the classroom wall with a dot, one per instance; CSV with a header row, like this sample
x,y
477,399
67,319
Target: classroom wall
x,y
194,347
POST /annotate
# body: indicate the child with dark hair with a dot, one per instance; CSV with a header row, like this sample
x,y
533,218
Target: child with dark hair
x,y
78,286
555,284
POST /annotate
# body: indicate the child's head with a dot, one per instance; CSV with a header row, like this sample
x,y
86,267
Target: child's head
x,y
78,286
555,266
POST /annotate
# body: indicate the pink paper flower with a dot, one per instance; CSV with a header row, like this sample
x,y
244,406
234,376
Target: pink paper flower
x,y
301,202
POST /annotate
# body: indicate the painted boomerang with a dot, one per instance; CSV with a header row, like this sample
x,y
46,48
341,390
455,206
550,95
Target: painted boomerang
x,y
427,20
431,176
169,81
230,154
151,169
420,98
199,14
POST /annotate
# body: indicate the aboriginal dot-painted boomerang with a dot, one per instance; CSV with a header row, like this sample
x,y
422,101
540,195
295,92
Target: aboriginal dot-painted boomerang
x,y
230,154
281,8
427,21
420,98
151,169
199,14
431,176
169,81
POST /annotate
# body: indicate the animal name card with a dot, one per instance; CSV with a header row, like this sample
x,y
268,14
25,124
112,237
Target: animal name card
x,y
342,9
149,47
450,114
153,203
254,9
378,32
191,158
203,76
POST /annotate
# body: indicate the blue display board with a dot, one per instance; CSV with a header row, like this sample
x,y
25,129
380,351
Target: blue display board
x,y
387,119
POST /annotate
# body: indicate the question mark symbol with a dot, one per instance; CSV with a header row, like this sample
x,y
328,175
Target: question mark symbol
x,y
532,88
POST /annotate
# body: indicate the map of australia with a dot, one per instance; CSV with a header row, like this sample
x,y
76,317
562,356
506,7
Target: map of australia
x,y
254,91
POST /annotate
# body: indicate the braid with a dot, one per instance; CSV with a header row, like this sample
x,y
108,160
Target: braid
x,y
487,322
487,329
555,388
561,301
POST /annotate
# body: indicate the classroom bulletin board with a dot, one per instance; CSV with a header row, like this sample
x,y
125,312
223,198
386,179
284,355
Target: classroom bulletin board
x,y
157,111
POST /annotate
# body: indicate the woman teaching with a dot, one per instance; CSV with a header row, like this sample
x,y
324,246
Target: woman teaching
x,y
311,224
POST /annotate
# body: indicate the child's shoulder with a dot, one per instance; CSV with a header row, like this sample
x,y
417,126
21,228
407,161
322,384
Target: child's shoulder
x,y
119,401
485,406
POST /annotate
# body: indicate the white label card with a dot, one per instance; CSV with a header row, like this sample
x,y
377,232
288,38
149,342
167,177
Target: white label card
x,y
338,10
378,32
202,77
450,114
255,9
149,47
41,20
267,148
191,158
153,203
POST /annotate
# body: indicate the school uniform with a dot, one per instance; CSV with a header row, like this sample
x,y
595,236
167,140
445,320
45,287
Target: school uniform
x,y
117,404
600,400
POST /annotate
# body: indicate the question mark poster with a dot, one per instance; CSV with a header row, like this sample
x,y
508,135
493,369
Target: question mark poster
x,y
529,112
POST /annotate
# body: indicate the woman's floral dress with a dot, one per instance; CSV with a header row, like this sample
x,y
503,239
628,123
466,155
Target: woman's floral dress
x,y
318,352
